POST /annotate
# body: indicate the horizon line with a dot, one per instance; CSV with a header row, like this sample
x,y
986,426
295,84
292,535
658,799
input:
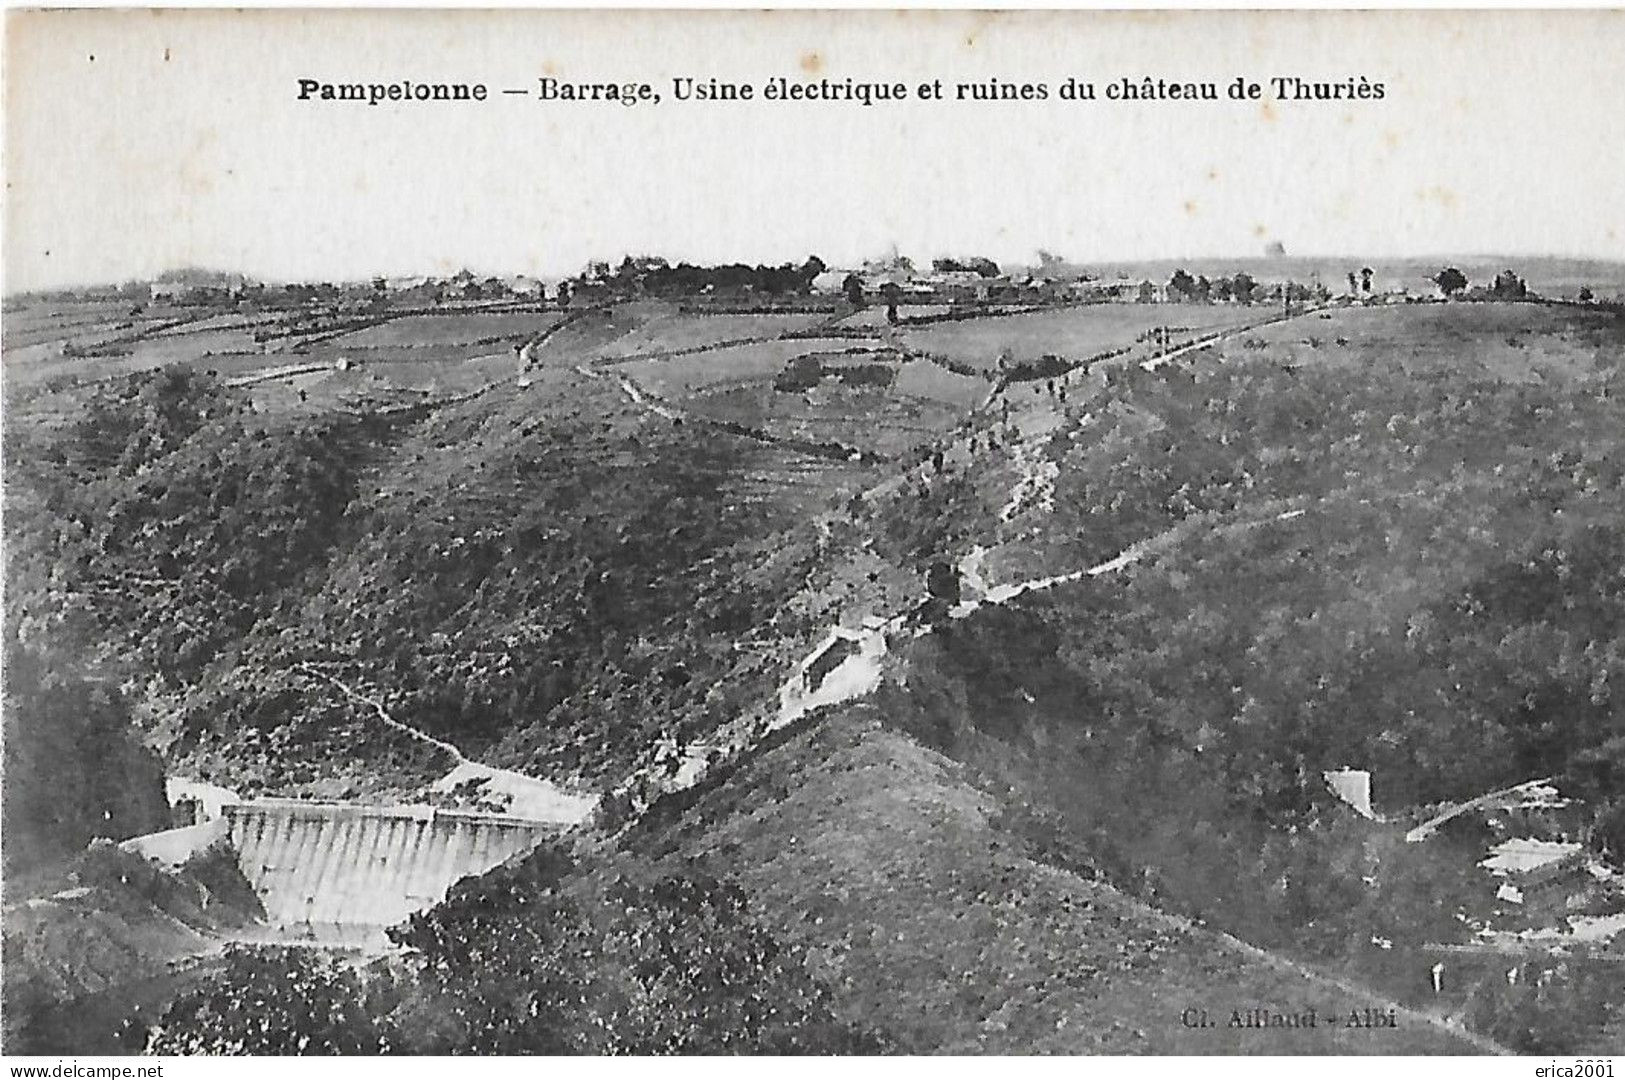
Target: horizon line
x,y
1030,262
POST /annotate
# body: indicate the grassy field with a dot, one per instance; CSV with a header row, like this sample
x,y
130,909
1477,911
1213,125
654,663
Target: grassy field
x,y
735,384
930,382
729,366
678,331
1074,333
40,324
628,331
451,329
874,317
391,355
873,420
1511,342
44,363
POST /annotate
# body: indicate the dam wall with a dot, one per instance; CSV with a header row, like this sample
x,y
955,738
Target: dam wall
x,y
326,870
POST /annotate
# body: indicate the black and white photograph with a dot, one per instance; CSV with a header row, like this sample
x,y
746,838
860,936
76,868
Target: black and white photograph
x,y
813,533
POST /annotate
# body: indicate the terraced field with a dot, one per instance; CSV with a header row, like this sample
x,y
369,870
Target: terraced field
x,y
634,330
454,328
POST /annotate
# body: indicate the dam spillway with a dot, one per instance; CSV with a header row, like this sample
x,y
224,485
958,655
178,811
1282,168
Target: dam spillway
x,y
344,873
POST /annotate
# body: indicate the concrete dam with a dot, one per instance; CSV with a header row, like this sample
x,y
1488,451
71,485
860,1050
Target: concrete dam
x,y
343,873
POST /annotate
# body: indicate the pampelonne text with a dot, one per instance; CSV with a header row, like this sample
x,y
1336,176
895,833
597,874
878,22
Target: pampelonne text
x,y
780,89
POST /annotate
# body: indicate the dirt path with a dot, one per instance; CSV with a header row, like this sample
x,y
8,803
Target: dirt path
x,y
650,403
1222,335
520,796
1426,829
383,714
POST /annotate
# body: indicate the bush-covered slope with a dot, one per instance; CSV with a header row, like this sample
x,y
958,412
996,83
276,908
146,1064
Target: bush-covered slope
x,y
942,909
75,768
543,575
88,960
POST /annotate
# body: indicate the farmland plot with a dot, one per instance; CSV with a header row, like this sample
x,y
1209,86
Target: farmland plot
x,y
456,328
440,369
387,355
923,379
1075,333
731,365
161,349
43,362
869,419
874,316
320,392
1510,342
230,320
628,331
43,324
99,327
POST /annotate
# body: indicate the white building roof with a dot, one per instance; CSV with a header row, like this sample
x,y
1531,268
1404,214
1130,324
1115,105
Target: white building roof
x,y
1525,856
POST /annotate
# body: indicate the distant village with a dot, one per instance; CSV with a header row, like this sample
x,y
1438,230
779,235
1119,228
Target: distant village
x,y
893,281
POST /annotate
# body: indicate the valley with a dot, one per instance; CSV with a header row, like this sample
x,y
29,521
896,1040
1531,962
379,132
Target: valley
x,y
969,678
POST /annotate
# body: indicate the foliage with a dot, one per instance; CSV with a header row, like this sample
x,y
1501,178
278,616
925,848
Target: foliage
x,y
1508,286
654,276
576,576
516,963
1450,280
800,374
74,767
979,265
1343,564
273,1001
525,961
168,523
1542,1015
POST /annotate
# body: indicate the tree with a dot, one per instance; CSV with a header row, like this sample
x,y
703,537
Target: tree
x,y
942,582
892,294
1585,296
800,374
1365,280
1450,281
808,272
1608,832
852,286
1242,287
1181,286
979,265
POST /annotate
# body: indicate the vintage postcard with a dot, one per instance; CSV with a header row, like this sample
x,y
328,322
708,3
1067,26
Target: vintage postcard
x,y
814,533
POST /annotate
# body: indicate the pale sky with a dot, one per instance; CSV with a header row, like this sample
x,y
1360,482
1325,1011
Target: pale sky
x,y
181,143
